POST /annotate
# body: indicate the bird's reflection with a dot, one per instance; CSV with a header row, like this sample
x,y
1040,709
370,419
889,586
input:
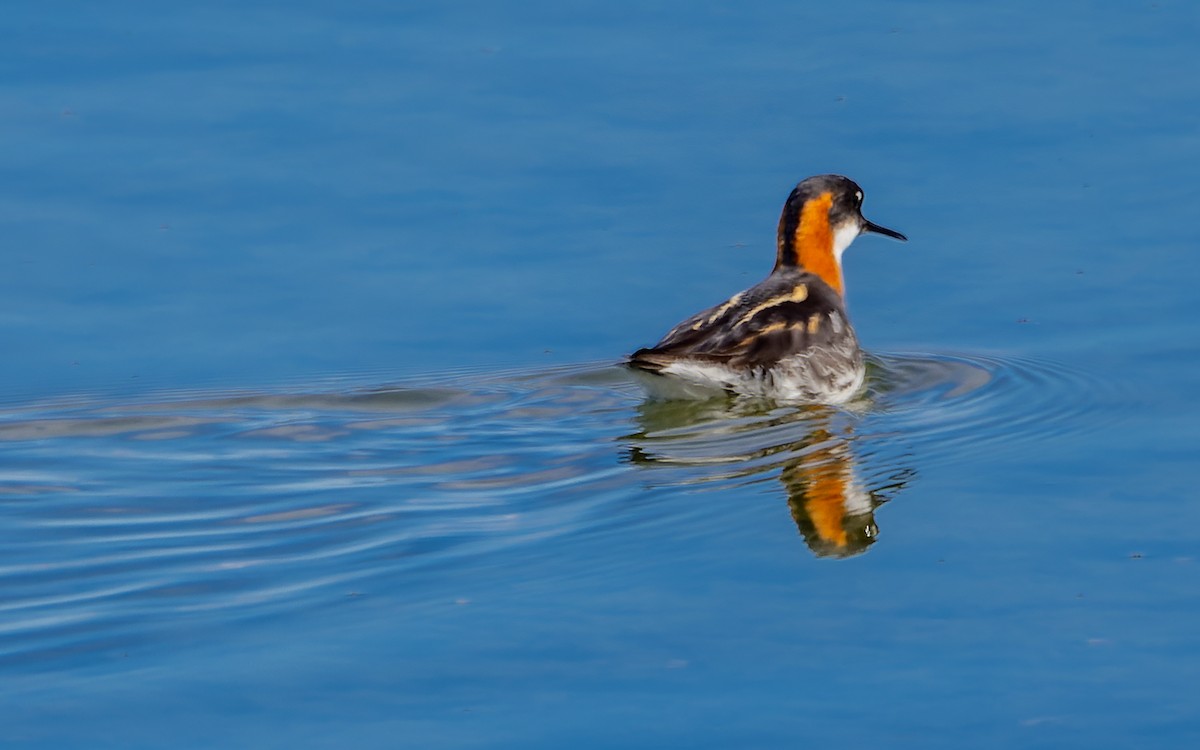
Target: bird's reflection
x,y
814,449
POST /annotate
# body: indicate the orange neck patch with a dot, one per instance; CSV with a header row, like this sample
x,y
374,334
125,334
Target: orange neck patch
x,y
826,502
813,243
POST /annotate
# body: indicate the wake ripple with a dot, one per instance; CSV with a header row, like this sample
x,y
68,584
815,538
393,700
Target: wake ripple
x,y
123,517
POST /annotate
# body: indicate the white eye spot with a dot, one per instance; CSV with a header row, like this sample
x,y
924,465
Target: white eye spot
x,y
858,195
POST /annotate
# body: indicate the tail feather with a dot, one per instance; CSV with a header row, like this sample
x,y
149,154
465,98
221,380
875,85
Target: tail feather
x,y
649,360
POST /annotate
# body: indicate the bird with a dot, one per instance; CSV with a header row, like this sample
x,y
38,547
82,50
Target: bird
x,y
788,337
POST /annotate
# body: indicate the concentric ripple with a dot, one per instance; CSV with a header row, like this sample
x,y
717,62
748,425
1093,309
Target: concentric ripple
x,y
973,402
124,517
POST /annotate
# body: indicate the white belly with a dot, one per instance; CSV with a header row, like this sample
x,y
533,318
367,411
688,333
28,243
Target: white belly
x,y
802,378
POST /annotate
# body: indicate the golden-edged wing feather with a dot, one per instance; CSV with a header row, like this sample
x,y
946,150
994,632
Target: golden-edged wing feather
x,y
788,313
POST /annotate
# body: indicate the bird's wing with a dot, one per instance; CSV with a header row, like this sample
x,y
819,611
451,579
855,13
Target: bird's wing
x,y
784,315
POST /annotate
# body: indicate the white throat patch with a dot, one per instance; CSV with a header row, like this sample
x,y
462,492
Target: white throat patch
x,y
842,237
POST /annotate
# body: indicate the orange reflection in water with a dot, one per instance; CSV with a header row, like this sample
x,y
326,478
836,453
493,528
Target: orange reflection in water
x,y
814,449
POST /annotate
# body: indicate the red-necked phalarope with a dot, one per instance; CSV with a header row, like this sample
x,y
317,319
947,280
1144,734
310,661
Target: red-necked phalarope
x,y
787,337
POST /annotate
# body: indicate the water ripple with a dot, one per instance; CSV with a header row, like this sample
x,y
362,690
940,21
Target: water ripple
x,y
974,403
120,517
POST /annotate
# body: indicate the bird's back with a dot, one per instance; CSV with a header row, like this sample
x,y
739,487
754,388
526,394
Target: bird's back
x,y
787,336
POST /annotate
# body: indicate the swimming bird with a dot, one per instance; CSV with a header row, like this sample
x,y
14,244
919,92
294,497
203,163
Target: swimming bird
x,y
787,337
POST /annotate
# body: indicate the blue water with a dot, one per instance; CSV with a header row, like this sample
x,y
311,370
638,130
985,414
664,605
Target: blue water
x,y
311,432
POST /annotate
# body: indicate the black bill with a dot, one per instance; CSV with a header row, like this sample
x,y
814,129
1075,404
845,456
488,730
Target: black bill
x,y
870,226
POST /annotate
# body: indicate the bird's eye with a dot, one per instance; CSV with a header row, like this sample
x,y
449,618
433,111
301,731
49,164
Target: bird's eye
x,y
858,196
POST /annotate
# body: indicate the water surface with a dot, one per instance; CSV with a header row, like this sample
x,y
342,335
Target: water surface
x,y
311,431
